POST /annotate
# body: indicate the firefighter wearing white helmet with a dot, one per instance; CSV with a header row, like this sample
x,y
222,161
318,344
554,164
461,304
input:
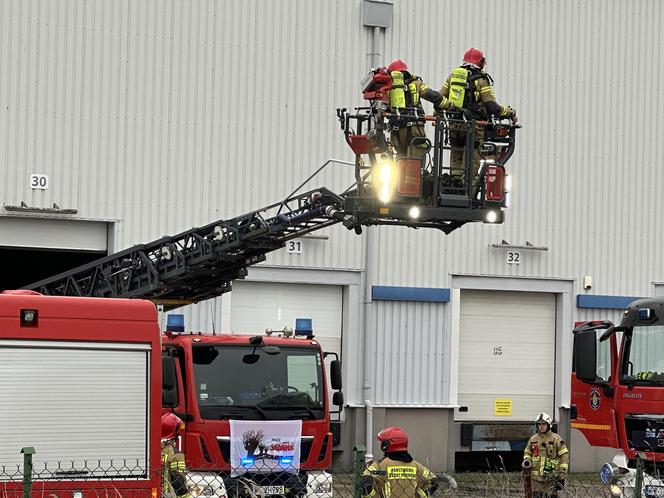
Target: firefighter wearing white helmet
x,y
547,457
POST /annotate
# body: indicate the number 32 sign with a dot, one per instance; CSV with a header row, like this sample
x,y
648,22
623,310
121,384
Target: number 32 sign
x,y
513,257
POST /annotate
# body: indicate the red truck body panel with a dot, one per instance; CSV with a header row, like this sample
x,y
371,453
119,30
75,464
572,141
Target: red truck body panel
x,y
80,320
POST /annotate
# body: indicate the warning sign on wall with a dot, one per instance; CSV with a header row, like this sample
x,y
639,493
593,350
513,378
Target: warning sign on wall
x,y
502,407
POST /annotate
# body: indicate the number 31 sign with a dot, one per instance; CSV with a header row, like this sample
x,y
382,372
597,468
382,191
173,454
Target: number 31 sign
x,y
294,247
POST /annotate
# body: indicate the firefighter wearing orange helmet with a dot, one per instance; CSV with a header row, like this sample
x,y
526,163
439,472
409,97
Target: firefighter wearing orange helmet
x,y
546,457
397,475
470,89
174,470
405,98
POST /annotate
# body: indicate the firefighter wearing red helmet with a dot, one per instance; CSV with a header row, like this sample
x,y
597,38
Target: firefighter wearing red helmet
x,y
405,99
174,470
397,475
471,89
546,458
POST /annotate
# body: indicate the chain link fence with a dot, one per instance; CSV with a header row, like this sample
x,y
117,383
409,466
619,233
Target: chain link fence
x,y
127,479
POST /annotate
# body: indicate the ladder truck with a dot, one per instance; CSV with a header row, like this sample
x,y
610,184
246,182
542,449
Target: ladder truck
x,y
202,262
618,395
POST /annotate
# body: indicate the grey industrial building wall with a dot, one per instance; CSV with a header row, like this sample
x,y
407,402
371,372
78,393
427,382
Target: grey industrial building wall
x,y
156,116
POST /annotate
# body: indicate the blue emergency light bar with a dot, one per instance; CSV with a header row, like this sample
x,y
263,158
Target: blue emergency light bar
x,y
175,322
287,460
645,313
247,462
303,326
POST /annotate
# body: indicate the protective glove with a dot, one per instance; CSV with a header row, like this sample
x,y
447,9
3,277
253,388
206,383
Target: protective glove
x,y
367,485
515,120
560,482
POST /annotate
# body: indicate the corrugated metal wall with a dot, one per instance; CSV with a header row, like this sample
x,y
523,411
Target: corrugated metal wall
x,y
165,115
406,355
587,169
168,114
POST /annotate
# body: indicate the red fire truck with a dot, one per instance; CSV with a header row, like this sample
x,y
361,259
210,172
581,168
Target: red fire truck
x,y
211,379
80,384
618,393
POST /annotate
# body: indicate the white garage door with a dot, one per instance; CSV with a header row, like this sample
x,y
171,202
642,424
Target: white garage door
x,y
256,306
506,355
51,233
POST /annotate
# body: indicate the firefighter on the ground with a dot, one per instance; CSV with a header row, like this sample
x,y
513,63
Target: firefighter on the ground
x,y
470,91
174,470
547,458
397,475
405,98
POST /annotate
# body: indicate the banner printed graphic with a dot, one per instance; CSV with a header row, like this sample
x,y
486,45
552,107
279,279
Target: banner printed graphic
x,y
265,446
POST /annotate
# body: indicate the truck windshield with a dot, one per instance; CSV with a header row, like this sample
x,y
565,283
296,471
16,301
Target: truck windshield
x,y
644,361
247,383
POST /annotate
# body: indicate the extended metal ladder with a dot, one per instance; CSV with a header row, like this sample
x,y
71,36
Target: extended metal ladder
x,y
199,263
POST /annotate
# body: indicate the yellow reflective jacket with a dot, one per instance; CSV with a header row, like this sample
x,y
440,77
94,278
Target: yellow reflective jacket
x,y
174,472
397,479
548,456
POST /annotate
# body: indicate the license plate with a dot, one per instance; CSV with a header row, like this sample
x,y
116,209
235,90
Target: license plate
x,y
653,491
273,490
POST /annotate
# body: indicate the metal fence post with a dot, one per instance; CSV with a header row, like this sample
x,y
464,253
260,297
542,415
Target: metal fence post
x,y
27,451
638,482
359,452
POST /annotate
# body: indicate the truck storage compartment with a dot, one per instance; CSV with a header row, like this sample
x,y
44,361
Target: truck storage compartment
x,y
84,404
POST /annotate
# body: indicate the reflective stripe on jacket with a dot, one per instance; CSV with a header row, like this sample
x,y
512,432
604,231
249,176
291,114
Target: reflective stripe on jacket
x,y
174,472
396,479
548,455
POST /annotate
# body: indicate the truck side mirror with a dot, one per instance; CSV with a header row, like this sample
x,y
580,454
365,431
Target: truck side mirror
x,y
585,356
169,399
169,386
335,375
338,399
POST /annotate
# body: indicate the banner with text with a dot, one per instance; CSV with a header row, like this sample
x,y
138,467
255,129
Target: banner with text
x,y
265,446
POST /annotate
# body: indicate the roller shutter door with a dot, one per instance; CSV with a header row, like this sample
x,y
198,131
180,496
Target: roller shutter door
x,y
256,306
82,404
506,353
48,233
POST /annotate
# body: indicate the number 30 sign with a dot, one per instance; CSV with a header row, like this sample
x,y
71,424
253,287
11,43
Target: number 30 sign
x,y
39,181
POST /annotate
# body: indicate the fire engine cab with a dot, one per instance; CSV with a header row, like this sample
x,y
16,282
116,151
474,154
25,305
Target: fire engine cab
x,y
618,393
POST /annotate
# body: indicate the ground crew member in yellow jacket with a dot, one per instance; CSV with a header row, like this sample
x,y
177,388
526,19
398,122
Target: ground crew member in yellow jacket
x,y
397,475
547,457
470,89
405,98
174,470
